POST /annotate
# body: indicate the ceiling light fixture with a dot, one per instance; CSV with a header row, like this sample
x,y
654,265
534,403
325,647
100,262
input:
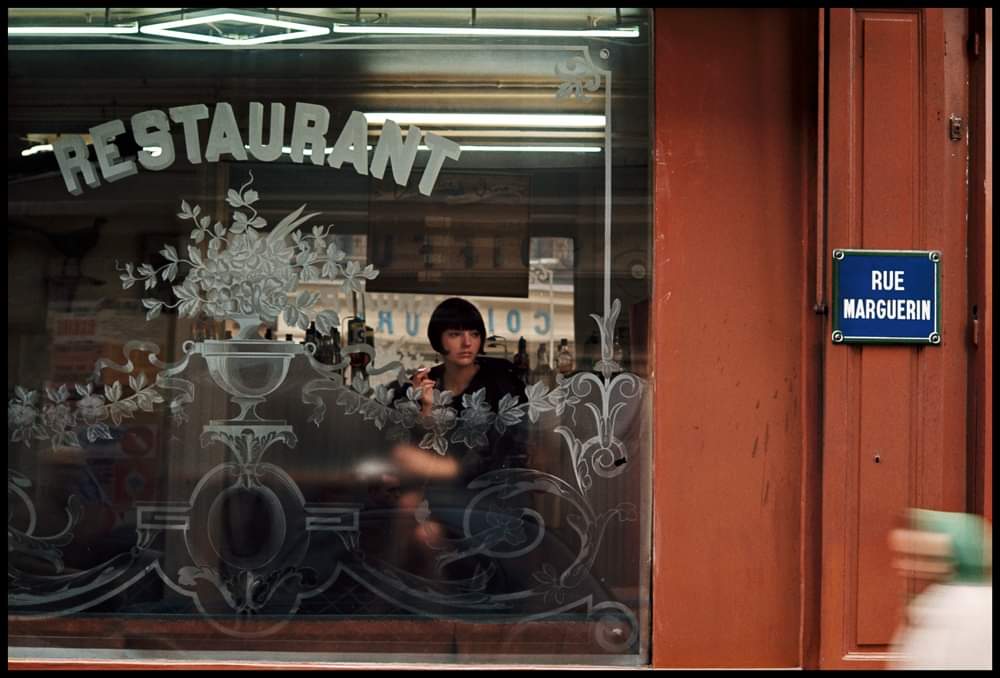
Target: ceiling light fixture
x,y
80,31
373,29
171,29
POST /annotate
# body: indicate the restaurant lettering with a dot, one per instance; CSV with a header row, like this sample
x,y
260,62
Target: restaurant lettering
x,y
310,126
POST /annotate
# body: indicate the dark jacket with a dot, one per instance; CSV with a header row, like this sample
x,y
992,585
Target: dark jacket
x,y
464,513
496,376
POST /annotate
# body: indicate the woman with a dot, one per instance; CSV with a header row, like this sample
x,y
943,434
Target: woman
x,y
457,332
434,483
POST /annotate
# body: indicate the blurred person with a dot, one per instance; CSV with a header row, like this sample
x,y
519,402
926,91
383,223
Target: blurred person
x,y
433,484
949,624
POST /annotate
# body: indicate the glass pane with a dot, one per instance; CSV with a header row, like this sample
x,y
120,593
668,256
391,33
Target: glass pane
x,y
247,417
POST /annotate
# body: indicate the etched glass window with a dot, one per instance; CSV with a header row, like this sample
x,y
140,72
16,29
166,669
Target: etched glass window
x,y
247,417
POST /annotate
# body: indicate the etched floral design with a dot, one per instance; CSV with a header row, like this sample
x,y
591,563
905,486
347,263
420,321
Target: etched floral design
x,y
22,416
25,540
562,396
538,400
408,408
446,425
508,413
242,271
90,406
442,420
606,325
246,592
475,420
578,76
509,525
551,586
60,417
541,399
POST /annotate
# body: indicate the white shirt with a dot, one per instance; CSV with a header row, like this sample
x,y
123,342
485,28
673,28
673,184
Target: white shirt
x,y
950,626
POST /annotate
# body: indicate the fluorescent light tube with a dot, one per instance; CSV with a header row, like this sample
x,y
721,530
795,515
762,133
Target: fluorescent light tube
x,y
531,149
40,148
287,150
154,151
82,31
168,29
374,29
489,119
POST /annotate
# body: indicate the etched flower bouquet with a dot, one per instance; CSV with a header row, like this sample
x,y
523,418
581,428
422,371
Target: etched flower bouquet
x,y
244,273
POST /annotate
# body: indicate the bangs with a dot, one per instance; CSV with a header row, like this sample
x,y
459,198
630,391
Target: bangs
x,y
454,314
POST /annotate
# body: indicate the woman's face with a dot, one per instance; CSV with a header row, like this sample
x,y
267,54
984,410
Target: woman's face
x,y
461,346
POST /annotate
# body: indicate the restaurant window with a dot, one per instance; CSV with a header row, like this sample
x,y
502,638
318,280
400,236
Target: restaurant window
x,y
229,237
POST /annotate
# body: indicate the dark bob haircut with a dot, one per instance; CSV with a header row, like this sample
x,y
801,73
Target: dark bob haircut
x,y
455,314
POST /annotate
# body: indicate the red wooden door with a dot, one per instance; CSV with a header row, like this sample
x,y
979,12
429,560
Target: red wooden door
x,y
895,417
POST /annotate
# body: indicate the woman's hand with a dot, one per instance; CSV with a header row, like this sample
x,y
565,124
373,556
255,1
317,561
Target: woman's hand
x,y
413,462
422,380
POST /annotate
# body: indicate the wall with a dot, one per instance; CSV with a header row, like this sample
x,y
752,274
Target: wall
x,y
735,335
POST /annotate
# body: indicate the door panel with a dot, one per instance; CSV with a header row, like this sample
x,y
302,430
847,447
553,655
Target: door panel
x,y
895,416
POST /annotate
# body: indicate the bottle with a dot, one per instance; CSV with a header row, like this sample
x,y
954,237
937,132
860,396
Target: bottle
x,y
521,361
268,334
564,359
618,348
359,333
542,372
355,331
336,346
591,352
496,346
312,335
324,352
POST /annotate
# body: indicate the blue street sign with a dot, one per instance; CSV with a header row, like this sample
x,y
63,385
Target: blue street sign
x,y
886,296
